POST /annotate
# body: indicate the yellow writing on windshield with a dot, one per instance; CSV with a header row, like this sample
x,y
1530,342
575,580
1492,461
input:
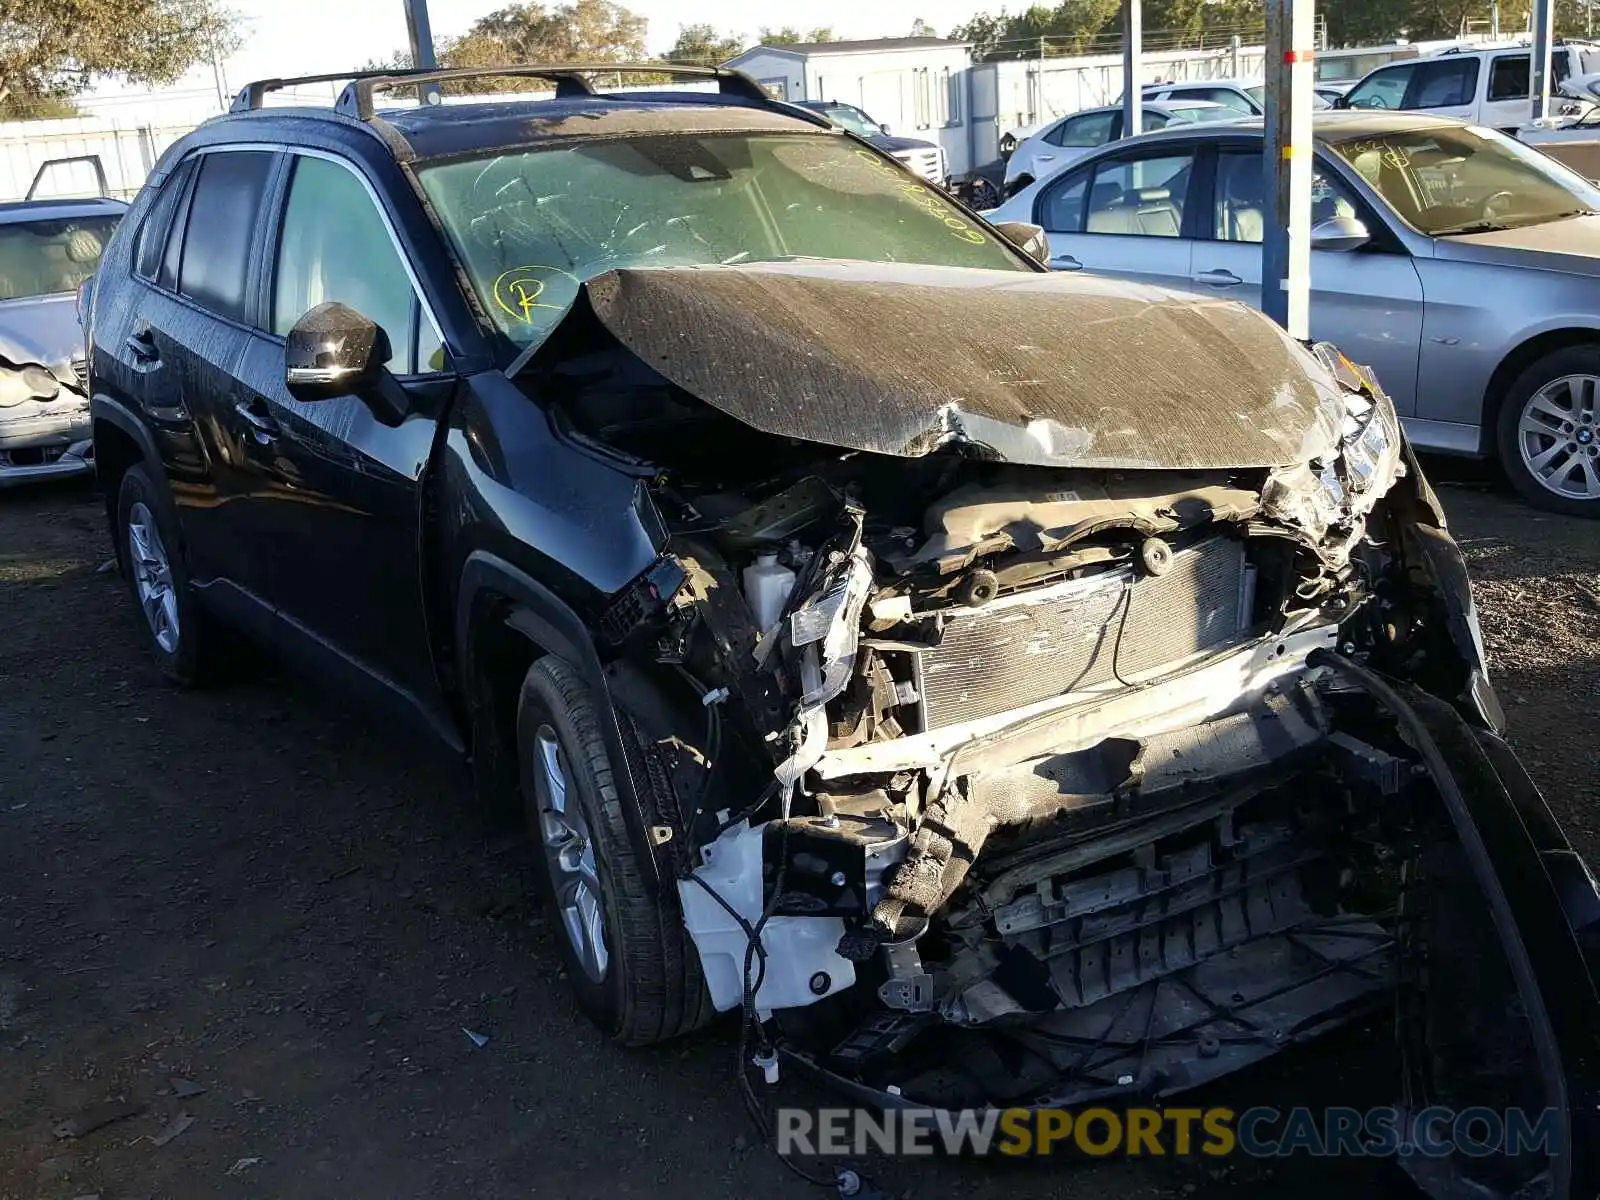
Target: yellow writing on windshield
x,y
924,198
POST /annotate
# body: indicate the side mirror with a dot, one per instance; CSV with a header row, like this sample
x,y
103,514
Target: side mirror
x,y
1340,233
333,350
1030,239
884,129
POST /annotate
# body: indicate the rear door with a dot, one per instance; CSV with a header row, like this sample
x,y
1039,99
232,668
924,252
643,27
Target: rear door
x,y
1507,101
1368,302
169,344
1124,215
335,494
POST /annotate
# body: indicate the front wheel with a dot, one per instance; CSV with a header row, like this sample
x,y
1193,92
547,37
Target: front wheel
x,y
631,962
1549,436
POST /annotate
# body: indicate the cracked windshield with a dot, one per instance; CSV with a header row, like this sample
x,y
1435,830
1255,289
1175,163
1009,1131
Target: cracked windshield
x,y
530,227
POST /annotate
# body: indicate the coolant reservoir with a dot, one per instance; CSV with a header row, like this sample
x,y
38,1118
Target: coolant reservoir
x,y
767,586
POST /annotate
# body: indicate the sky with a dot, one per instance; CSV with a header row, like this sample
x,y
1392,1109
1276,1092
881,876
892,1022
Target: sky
x,y
305,37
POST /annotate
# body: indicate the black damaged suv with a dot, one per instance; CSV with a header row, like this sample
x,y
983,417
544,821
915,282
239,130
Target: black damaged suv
x,y
1002,688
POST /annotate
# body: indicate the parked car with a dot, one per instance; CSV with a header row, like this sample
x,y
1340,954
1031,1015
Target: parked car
x,y
926,159
1070,137
949,665
1572,138
1245,96
48,248
1484,87
1457,262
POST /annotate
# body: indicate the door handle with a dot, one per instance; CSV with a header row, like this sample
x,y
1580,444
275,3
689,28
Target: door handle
x,y
1217,278
1065,262
142,345
262,427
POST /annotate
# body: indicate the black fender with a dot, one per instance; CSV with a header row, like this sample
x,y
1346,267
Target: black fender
x,y
551,624
114,412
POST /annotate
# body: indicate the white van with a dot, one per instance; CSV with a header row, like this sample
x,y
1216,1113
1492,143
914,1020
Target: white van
x,y
1486,87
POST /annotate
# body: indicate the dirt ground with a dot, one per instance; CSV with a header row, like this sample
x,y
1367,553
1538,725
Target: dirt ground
x,y
255,892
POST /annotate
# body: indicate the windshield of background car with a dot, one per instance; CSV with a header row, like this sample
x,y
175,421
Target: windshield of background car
x,y
531,226
1465,179
1200,111
852,119
42,258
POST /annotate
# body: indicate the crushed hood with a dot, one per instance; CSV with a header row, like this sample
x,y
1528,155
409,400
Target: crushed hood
x,y
1021,367
43,330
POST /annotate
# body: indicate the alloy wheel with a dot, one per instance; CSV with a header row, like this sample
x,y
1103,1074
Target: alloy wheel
x,y
569,851
1559,438
152,577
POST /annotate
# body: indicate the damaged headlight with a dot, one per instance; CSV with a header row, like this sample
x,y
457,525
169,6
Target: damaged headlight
x,y
1339,489
31,382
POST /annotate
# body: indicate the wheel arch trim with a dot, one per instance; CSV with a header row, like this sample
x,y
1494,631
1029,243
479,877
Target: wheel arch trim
x,y
550,624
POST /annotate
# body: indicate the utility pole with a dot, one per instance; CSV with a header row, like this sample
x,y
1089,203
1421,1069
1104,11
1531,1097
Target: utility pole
x,y
1132,88
420,32
1286,165
1544,30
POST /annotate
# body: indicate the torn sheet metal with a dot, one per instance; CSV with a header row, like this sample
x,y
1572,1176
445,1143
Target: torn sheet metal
x,y
1046,370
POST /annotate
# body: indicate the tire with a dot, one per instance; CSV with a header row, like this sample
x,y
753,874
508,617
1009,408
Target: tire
x,y
178,633
649,987
1576,442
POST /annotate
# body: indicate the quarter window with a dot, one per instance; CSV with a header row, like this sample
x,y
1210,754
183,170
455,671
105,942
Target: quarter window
x,y
158,221
224,212
334,245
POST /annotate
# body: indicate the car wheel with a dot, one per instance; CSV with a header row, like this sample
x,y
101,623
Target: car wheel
x,y
632,964
175,629
1549,432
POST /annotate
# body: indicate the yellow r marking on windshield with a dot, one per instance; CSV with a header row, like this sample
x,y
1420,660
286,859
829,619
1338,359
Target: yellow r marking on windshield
x,y
517,291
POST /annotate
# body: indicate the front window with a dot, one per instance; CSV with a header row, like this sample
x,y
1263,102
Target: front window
x,y
1464,179
531,226
44,258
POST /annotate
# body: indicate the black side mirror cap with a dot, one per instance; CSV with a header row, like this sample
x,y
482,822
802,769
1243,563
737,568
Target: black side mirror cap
x,y
1030,239
333,350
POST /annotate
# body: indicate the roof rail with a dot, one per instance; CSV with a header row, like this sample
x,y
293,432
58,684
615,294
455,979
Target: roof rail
x,y
252,95
569,78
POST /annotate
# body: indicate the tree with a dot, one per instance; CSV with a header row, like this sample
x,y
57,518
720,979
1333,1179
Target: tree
x,y
920,28
53,50
789,35
702,44
581,31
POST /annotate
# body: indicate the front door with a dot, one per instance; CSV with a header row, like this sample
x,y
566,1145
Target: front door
x,y
336,507
1368,302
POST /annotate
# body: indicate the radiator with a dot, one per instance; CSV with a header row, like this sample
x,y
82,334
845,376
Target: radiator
x,y
1031,646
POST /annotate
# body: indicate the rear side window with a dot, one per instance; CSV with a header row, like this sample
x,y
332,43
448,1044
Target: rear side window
x,y
158,221
1091,130
223,213
1509,77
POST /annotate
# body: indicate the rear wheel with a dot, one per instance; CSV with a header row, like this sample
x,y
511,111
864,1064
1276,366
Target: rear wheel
x,y
632,964
1549,432
177,632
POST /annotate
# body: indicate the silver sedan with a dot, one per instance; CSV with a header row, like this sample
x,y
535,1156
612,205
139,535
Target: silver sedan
x,y
1461,265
